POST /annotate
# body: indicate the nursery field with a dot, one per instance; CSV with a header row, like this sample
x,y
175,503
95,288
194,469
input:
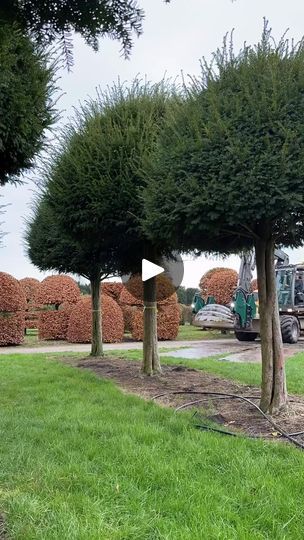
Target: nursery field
x,y
81,459
185,333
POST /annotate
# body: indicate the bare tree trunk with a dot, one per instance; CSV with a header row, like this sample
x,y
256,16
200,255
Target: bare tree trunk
x,y
151,363
96,348
273,388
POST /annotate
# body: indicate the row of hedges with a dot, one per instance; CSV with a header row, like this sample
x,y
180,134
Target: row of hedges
x,y
168,312
55,306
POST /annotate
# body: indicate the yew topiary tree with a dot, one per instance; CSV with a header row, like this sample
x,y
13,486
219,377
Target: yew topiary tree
x,y
94,187
26,109
230,173
50,247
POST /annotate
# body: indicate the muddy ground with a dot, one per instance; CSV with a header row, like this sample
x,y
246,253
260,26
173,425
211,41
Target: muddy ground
x,y
230,414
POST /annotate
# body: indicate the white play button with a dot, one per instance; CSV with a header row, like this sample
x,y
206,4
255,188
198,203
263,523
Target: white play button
x,y
150,270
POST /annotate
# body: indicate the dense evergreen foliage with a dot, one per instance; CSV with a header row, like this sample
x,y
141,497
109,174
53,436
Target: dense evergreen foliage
x,y
92,199
26,109
93,19
230,173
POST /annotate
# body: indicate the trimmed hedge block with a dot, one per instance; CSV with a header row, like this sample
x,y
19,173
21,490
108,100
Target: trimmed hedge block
x,y
80,324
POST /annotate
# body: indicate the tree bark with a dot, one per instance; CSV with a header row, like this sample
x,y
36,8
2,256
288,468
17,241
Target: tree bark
x,y
151,363
96,347
273,388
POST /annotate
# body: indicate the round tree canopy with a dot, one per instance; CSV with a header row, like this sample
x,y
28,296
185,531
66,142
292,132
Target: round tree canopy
x,y
25,101
231,162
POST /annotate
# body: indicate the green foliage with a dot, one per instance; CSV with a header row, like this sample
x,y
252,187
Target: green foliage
x,y
93,20
76,462
185,295
84,287
26,110
94,183
181,295
190,292
231,162
50,247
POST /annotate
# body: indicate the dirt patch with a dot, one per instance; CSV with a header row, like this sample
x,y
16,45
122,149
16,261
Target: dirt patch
x,y
231,413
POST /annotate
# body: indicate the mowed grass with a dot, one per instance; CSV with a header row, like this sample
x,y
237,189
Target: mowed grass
x,y
193,333
185,333
79,459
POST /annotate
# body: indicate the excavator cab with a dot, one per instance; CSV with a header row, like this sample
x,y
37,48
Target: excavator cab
x,y
290,288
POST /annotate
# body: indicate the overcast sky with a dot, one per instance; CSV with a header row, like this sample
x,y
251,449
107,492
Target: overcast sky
x,y
175,37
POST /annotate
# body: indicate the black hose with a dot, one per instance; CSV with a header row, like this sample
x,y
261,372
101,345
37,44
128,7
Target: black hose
x,y
242,398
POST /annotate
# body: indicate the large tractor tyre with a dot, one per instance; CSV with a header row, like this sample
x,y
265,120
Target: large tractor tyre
x,y
246,336
290,329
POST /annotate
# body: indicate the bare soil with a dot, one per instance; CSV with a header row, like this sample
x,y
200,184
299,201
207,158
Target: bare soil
x,y
233,414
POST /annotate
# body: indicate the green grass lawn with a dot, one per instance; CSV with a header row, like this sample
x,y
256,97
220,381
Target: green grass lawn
x,y
79,459
186,333
191,333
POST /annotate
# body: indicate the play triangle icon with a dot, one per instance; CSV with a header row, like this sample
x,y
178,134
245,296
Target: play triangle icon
x,y
150,270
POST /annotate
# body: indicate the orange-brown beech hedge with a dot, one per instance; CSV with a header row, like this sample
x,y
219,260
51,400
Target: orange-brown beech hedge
x,y
53,324
54,290
220,283
254,285
80,324
12,297
12,328
132,306
30,287
58,291
12,310
168,317
112,289
128,312
132,296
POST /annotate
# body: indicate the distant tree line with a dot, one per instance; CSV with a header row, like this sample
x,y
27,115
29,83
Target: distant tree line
x,y
185,295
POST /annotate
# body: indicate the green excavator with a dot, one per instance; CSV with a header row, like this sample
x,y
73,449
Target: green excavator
x,y
242,315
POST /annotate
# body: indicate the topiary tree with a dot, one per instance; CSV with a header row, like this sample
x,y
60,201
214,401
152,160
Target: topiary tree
x,y
50,247
168,320
230,174
94,188
55,290
80,323
219,283
56,294
12,310
26,108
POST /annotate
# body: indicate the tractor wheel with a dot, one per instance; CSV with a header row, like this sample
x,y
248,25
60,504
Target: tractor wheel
x,y
246,336
290,329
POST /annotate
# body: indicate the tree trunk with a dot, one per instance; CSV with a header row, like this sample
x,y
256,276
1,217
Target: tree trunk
x,y
273,391
96,348
151,363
